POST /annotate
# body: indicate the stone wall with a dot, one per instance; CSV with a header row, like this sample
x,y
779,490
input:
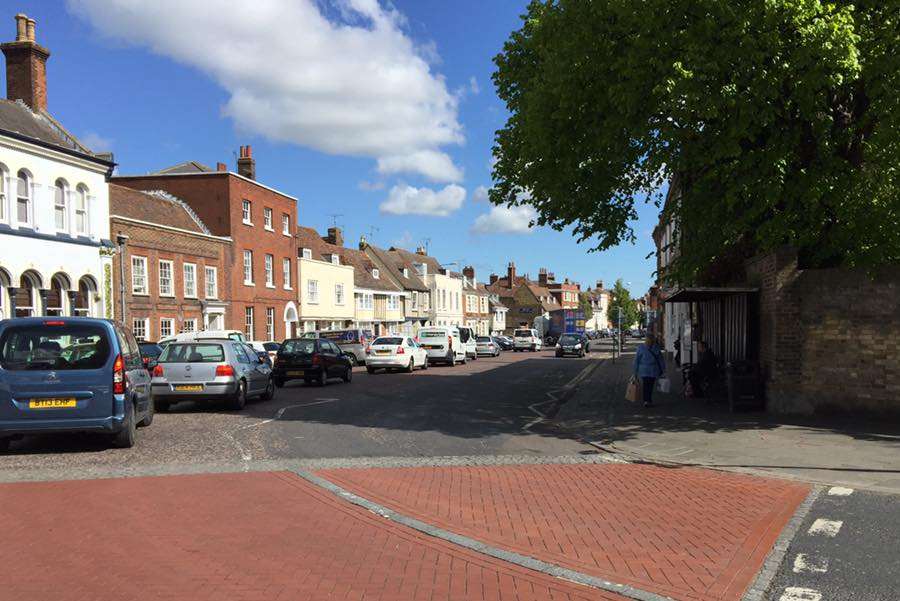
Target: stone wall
x,y
829,338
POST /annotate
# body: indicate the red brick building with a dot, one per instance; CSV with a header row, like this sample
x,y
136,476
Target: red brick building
x,y
174,268
260,280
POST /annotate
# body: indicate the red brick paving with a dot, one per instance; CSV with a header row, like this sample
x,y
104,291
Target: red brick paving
x,y
684,533
235,537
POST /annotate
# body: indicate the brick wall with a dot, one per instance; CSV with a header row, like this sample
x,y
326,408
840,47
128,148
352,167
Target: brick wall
x,y
829,338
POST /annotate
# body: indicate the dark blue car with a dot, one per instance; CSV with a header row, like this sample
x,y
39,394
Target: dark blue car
x,y
71,374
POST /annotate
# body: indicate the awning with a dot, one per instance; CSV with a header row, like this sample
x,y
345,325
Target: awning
x,y
696,295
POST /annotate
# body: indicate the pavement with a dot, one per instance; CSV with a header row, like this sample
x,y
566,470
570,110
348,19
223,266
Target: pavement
x,y
828,451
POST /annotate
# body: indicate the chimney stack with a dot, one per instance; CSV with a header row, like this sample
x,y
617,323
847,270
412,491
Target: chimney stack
x,y
511,275
543,276
494,278
421,251
246,164
469,272
599,284
336,237
26,66
221,167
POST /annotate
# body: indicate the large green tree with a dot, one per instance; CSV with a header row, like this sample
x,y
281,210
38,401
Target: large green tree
x,y
620,297
780,118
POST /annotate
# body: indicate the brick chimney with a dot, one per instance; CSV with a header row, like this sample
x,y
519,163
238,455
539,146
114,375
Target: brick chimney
x,y
511,275
336,236
599,284
543,276
246,164
26,66
421,251
221,167
469,272
494,278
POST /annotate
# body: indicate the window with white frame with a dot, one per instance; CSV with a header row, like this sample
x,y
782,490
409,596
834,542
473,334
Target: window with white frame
x,y
23,198
415,299
375,274
426,300
139,326
286,224
248,267
286,272
82,219
393,302
166,327
212,282
307,253
338,294
190,280
270,271
189,325
139,275
335,259
248,322
267,218
61,205
3,195
365,300
312,291
270,323
245,212
166,270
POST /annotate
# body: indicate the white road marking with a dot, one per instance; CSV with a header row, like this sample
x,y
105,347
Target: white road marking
x,y
795,593
804,564
534,407
245,454
828,528
840,491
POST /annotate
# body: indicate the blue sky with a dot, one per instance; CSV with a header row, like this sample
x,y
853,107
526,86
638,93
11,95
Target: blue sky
x,y
354,107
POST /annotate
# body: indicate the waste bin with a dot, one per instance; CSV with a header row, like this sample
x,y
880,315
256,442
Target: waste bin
x,y
743,385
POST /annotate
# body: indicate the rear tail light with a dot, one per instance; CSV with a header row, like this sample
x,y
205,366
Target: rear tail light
x,y
223,370
54,323
158,371
400,350
119,375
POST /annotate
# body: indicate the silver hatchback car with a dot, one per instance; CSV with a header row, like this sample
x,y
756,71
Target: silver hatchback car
x,y
210,370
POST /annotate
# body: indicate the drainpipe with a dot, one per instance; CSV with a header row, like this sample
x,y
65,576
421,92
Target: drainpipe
x,y
121,240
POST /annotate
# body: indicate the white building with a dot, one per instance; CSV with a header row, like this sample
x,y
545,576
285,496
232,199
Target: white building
x,y
599,299
55,252
498,315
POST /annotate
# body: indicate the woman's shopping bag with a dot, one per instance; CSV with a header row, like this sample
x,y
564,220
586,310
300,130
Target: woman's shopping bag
x,y
664,385
633,391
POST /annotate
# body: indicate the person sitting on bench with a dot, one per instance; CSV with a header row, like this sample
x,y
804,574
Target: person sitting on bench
x,y
705,371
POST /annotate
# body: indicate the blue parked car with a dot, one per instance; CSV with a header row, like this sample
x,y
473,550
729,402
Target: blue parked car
x,y
71,374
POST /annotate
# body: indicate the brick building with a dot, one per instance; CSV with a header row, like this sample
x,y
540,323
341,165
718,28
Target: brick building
x,y
476,306
174,268
565,292
259,283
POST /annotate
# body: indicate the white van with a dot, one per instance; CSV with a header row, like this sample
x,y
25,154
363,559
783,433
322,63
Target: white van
x,y
527,339
442,344
468,339
235,335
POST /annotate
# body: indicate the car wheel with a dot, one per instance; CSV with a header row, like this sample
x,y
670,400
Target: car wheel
x,y
279,383
124,438
270,391
425,363
348,375
239,400
370,369
410,366
322,380
533,348
148,419
475,357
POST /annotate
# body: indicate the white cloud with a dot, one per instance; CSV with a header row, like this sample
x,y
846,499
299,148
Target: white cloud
x,y
339,76
408,200
505,220
473,85
95,142
481,194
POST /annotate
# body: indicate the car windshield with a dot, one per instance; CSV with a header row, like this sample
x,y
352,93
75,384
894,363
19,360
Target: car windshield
x,y
303,346
569,339
271,346
483,339
150,350
56,347
432,334
389,341
523,333
192,352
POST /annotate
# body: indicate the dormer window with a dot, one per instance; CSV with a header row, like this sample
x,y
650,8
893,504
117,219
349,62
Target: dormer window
x,y
307,253
405,272
375,273
421,268
335,259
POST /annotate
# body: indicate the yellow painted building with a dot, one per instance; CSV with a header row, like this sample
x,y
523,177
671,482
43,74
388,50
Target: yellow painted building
x,y
326,292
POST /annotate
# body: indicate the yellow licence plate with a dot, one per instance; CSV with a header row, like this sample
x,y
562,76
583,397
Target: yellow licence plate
x,y
52,403
382,352
296,372
189,388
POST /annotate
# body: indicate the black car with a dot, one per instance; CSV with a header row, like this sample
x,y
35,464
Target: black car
x,y
572,344
311,360
504,343
150,352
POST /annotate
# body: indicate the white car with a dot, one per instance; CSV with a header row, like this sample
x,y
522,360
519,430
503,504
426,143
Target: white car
x,y
442,344
527,340
395,352
270,348
467,337
487,346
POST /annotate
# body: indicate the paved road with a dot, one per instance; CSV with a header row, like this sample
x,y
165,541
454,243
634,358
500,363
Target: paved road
x,y
476,409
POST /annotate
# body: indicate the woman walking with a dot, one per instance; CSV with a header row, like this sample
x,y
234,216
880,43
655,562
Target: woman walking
x,y
649,364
